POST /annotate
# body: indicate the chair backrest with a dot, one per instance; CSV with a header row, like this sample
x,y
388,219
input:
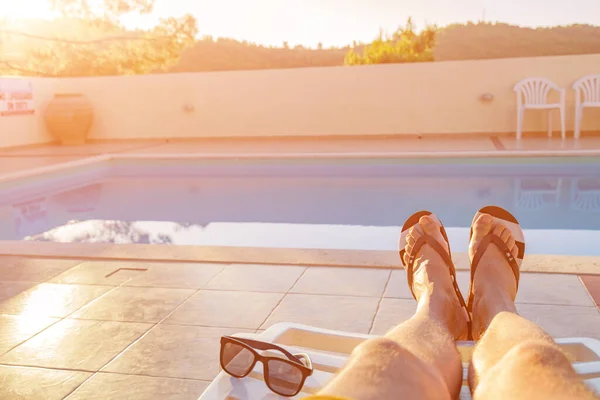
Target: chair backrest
x,y
589,88
535,90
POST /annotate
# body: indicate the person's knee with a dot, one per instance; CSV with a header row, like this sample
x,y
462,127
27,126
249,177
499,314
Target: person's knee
x,y
533,353
387,365
527,371
511,327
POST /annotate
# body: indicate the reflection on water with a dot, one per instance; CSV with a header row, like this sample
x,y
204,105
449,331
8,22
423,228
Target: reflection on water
x,y
536,193
193,210
30,217
585,194
95,231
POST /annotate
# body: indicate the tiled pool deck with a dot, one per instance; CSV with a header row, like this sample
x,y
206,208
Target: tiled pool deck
x,y
110,329
30,156
76,328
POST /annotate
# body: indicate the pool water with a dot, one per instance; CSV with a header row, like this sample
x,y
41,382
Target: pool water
x,y
354,204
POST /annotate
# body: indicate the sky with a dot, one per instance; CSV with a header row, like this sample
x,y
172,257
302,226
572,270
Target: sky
x,y
338,22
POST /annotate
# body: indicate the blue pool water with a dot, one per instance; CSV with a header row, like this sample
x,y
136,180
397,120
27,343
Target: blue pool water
x,y
305,203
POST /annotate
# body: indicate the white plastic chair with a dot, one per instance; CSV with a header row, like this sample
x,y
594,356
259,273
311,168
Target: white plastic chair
x,y
587,94
329,350
532,94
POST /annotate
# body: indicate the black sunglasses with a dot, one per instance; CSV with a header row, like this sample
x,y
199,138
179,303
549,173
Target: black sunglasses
x,y
283,376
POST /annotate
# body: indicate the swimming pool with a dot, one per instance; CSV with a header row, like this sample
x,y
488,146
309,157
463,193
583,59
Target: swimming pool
x,y
349,203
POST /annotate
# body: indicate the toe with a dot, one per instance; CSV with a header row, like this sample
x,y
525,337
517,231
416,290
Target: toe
x,y
498,230
483,225
505,236
406,253
510,242
432,227
514,250
411,238
429,225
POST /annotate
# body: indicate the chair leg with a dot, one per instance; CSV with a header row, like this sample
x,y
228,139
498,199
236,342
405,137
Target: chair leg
x,y
578,116
519,123
549,123
563,130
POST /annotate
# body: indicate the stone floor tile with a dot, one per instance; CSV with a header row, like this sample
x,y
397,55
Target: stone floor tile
x,y
397,286
76,344
564,321
14,268
343,281
558,289
110,273
22,383
108,386
131,273
177,275
542,143
189,352
13,288
592,284
15,329
52,300
88,149
391,313
134,304
226,309
18,164
353,314
256,278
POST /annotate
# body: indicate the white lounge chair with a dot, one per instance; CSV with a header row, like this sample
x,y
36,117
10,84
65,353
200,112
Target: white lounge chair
x,y
329,351
587,94
532,94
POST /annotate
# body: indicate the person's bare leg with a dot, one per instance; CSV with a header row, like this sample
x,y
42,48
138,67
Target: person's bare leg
x,y
514,359
418,359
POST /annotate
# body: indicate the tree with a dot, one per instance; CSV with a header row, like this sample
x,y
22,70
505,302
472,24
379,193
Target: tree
x,y
98,44
405,45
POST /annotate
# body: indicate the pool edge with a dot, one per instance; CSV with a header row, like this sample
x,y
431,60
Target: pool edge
x,y
107,158
538,263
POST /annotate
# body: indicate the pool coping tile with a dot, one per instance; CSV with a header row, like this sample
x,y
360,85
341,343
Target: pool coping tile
x,y
592,285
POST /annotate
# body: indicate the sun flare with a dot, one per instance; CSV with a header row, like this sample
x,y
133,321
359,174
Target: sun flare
x,y
26,9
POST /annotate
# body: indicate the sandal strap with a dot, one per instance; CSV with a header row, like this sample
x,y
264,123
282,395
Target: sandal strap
x,y
492,238
443,253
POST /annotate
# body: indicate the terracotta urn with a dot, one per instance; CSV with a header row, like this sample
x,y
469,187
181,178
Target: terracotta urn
x,y
69,118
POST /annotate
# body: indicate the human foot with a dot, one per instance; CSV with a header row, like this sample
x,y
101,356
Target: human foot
x,y
493,277
432,278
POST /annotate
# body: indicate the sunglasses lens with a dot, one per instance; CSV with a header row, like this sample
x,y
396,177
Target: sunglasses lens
x,y
284,378
236,360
